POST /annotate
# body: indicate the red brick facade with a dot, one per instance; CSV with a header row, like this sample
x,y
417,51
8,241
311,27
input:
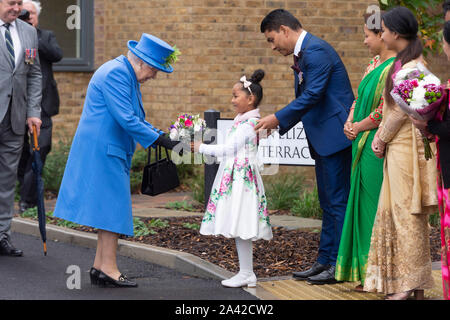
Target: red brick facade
x,y
219,40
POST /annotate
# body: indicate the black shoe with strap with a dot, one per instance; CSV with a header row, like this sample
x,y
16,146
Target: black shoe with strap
x,y
104,281
7,249
314,270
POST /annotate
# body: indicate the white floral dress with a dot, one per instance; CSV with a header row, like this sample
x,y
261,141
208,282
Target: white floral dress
x,y
237,206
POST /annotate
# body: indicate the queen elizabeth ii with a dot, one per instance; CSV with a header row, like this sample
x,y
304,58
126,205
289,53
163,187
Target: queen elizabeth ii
x,y
95,190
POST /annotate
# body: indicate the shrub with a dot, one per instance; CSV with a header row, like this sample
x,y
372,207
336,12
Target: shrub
x,y
180,205
197,185
283,190
435,219
308,206
55,165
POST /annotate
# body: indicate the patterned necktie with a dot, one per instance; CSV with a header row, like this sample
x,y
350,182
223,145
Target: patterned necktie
x,y
295,66
9,44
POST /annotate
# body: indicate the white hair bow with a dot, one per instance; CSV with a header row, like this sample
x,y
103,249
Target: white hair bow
x,y
246,83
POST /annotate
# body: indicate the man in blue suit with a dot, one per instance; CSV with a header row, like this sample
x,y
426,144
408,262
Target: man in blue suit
x,y
323,98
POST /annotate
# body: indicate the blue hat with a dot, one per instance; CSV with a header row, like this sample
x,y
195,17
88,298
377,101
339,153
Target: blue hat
x,y
152,51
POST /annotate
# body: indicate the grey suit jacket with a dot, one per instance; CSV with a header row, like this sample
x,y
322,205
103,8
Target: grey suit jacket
x,y
23,84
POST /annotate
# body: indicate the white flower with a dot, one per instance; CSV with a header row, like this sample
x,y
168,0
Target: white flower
x,y
431,79
418,98
174,135
416,105
401,74
184,133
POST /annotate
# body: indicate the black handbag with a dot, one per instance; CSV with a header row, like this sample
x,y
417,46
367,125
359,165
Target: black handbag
x,y
159,176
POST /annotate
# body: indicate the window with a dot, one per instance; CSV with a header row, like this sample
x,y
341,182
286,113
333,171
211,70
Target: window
x,y
72,21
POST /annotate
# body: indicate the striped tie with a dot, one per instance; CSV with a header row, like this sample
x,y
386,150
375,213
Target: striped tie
x,y
9,44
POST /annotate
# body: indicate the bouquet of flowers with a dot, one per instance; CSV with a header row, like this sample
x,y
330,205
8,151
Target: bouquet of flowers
x,y
187,126
419,94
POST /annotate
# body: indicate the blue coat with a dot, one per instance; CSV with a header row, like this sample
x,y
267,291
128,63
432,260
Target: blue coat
x,y
323,99
95,190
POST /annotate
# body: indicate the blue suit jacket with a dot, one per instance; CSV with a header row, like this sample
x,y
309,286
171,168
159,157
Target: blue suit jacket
x,y
323,99
95,190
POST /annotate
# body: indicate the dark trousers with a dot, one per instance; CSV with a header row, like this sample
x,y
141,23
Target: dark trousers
x,y
25,173
333,185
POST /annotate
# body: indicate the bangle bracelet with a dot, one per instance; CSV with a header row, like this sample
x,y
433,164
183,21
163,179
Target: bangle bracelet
x,y
348,121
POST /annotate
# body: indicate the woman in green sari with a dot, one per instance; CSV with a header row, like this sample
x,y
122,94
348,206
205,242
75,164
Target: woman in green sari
x,y
367,170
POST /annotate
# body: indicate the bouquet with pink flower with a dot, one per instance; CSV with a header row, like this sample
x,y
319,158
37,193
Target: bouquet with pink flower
x,y
419,94
187,126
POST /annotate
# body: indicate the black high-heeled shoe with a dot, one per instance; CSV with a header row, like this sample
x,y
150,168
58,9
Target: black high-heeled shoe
x,y
94,273
104,280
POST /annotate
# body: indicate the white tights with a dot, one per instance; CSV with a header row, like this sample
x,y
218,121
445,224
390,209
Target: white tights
x,y
245,254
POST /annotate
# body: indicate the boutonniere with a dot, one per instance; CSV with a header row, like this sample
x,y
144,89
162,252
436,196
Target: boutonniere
x,y
299,73
30,56
300,78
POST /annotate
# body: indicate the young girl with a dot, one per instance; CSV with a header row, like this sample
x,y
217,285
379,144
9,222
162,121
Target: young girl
x,y
237,206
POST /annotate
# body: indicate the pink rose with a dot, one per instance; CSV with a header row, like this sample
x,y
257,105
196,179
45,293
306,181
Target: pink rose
x,y
188,123
211,207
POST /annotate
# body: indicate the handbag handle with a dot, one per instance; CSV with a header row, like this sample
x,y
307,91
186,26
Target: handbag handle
x,y
158,154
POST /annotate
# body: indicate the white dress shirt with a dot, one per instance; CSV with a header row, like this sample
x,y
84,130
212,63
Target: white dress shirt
x,y
298,45
14,36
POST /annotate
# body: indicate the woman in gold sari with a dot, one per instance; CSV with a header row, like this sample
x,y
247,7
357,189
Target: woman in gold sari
x,y
367,170
399,260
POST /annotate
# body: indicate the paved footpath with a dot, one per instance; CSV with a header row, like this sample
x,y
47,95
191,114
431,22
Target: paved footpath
x,y
161,273
35,276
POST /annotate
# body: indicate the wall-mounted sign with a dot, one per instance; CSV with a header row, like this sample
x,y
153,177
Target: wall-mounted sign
x,y
289,149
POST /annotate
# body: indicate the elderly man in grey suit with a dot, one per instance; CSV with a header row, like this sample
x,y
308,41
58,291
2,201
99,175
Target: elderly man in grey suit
x,y
20,100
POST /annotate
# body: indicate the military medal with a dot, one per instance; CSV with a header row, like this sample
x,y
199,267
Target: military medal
x,y
30,55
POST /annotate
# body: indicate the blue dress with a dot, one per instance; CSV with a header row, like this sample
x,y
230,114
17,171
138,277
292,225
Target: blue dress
x,y
95,190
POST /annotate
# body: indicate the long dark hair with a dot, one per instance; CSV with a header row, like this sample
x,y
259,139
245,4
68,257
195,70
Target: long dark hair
x,y
447,32
446,7
402,21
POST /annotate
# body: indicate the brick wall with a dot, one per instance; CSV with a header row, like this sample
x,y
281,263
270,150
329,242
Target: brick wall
x,y
219,40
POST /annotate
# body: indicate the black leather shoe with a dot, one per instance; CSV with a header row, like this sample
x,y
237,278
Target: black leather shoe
x,y
325,277
94,273
314,270
7,249
104,281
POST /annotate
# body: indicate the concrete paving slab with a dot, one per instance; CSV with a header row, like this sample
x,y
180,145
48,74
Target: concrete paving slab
x,y
292,222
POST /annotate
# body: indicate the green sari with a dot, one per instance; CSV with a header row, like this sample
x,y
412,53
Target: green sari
x,y
366,179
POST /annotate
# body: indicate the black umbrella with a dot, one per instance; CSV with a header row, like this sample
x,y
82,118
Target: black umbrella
x,y
37,168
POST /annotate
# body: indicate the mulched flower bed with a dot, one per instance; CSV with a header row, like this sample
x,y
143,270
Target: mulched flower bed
x,y
288,251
